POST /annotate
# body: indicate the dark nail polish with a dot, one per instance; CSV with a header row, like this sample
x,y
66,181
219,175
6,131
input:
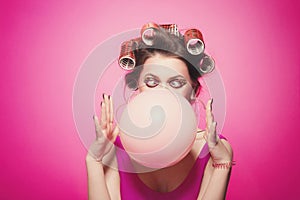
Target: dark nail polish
x,y
103,95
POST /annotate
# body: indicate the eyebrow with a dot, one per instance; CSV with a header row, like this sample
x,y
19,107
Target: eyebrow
x,y
173,77
149,74
178,76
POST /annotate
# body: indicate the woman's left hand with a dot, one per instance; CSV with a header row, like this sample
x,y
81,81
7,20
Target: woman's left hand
x,y
220,149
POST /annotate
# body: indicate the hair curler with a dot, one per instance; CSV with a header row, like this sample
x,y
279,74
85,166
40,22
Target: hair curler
x,y
194,41
148,32
171,28
207,64
127,57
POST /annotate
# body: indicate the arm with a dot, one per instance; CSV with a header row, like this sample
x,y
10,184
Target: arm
x,y
221,152
216,187
97,188
105,136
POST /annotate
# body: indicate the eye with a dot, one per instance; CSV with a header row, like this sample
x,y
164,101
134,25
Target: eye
x,y
177,83
151,82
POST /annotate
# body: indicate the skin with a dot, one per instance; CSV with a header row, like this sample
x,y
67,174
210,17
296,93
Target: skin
x,y
104,183
165,71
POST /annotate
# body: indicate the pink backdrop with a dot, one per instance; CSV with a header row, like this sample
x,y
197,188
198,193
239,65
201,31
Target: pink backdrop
x,y
255,44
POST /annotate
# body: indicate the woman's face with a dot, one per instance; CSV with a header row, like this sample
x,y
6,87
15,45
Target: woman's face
x,y
167,72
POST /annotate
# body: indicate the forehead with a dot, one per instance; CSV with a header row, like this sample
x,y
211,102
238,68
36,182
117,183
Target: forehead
x,y
165,67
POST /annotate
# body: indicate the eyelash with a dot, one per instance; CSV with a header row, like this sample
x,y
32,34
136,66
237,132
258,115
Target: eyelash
x,y
181,82
148,79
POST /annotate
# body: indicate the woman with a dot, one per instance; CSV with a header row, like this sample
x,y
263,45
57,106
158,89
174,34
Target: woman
x,y
192,177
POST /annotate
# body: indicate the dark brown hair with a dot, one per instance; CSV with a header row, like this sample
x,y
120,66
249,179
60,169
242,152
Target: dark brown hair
x,y
169,45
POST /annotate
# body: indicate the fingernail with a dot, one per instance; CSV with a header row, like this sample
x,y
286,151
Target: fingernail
x,y
108,96
103,95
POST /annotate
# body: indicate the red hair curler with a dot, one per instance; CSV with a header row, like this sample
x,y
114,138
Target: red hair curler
x,y
194,41
172,28
148,32
127,57
207,64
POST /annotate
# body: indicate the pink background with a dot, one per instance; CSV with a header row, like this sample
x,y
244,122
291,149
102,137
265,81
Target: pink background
x,y
255,44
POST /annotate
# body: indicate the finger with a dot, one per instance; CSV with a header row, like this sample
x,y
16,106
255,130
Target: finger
x,y
109,114
107,108
205,136
209,107
111,110
97,126
215,134
103,116
209,115
212,130
114,134
212,135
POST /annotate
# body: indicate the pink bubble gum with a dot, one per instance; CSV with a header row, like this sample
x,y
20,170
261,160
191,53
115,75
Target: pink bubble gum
x,y
158,128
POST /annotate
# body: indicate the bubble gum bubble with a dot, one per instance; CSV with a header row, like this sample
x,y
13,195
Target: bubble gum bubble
x,y
158,128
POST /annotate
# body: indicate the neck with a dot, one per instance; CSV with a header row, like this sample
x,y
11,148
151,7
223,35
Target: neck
x,y
169,178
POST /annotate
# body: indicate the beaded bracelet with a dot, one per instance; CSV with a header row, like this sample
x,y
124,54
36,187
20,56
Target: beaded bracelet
x,y
225,165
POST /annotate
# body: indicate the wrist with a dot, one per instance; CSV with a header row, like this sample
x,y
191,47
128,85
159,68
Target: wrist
x,y
91,159
223,164
221,152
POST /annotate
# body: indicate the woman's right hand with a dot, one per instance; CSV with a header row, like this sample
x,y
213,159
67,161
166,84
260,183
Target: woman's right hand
x,y
106,132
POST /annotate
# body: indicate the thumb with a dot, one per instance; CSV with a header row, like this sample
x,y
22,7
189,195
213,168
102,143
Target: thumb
x,y
212,135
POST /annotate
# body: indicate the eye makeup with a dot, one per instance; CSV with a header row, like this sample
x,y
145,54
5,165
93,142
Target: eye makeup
x,y
175,82
151,80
